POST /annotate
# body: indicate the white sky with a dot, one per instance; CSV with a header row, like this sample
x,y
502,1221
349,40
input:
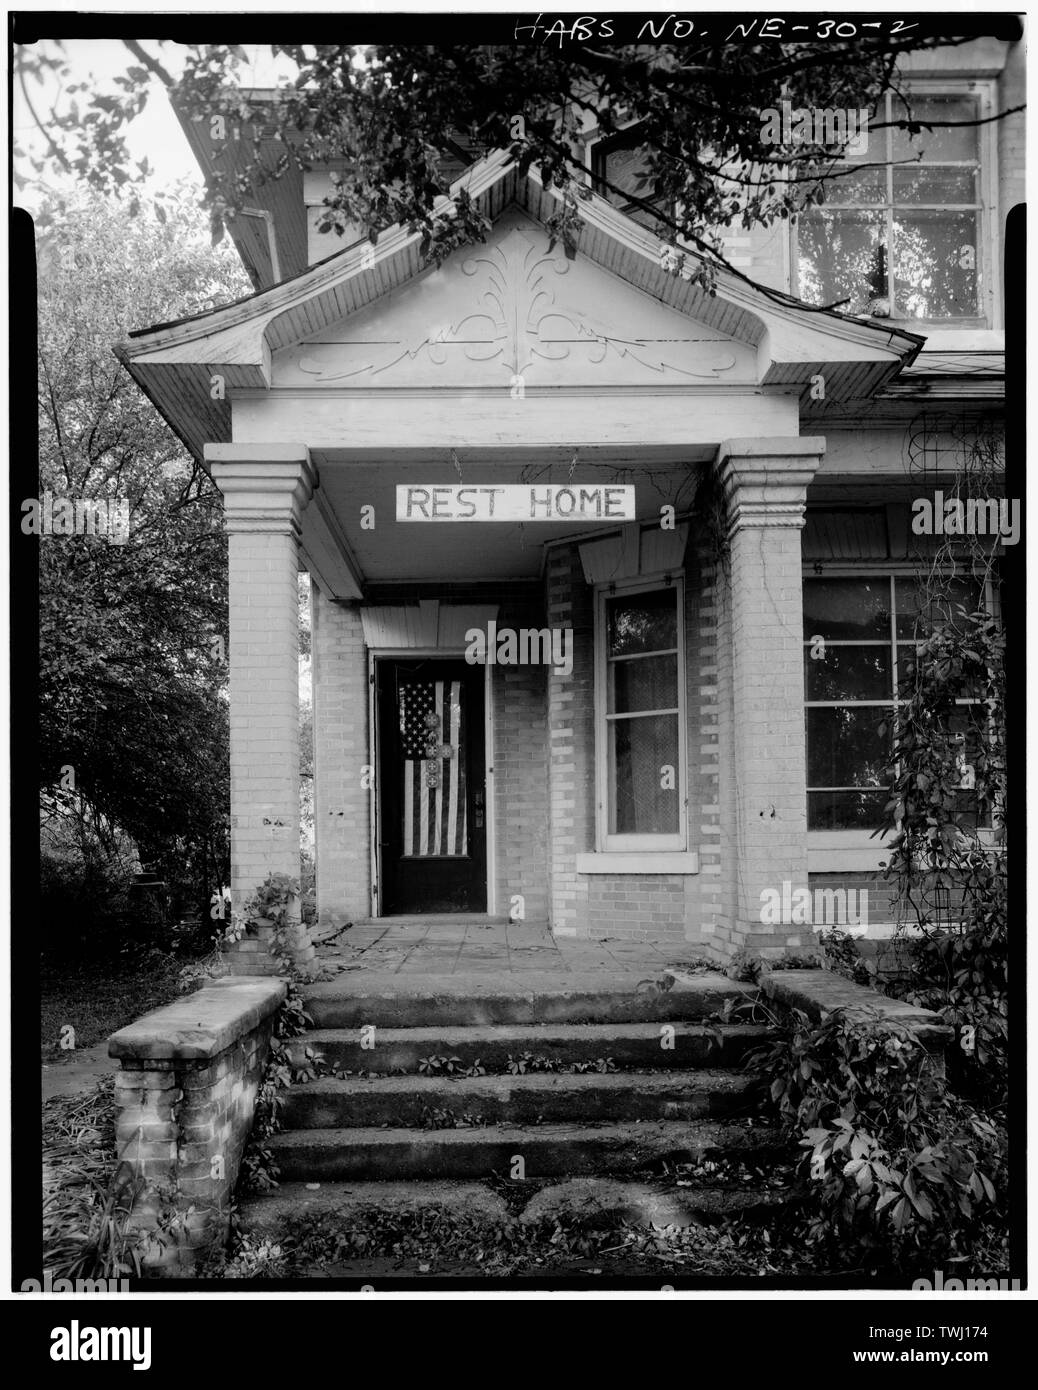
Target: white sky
x,y
155,133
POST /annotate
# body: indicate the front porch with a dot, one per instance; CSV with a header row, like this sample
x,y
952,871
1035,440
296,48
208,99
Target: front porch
x,y
651,787
508,951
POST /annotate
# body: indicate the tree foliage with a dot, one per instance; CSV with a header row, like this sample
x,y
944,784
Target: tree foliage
x,y
387,116
133,711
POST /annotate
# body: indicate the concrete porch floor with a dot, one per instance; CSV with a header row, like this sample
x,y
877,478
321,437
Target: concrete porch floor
x,y
461,949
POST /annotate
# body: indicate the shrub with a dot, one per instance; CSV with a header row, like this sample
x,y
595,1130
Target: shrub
x,y
85,902
898,1172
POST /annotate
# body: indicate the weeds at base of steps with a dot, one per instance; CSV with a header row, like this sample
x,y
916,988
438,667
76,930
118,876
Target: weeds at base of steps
x,y
438,1239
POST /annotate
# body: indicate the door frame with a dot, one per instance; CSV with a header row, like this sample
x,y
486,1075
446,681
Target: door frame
x,y
374,802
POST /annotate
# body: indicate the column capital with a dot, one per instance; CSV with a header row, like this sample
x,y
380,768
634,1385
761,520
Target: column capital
x,y
765,480
265,486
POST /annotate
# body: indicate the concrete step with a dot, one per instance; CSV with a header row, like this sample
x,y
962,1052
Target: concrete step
x,y
437,1101
249,964
641,1045
390,1000
338,1205
549,1150
431,920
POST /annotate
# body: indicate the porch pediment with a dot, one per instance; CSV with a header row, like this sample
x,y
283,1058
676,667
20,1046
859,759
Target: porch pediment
x,y
516,314
377,317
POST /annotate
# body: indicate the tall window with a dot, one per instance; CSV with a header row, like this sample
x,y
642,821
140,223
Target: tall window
x,y
902,240
860,639
641,718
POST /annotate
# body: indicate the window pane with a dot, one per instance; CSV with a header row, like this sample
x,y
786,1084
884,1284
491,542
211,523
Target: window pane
x,y
642,622
845,609
848,673
627,168
842,256
645,683
923,183
639,751
968,729
845,810
862,186
907,659
917,616
941,143
845,748
935,264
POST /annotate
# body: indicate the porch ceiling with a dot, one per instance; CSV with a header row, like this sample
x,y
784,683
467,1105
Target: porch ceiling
x,y
476,551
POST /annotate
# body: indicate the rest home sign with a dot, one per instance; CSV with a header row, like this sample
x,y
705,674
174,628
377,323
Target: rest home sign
x,y
514,502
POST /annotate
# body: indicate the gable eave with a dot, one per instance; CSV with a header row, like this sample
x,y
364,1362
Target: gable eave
x,y
175,363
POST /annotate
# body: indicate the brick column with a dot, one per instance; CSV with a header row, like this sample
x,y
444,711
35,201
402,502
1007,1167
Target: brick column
x,y
764,797
571,742
265,489
342,817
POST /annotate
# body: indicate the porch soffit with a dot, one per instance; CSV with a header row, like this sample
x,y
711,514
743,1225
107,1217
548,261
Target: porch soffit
x,y
311,331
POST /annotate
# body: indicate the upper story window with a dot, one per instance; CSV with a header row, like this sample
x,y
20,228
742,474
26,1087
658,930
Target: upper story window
x,y
619,167
904,240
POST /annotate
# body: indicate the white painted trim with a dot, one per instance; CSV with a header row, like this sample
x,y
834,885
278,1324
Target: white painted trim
x,y
663,862
447,654
849,859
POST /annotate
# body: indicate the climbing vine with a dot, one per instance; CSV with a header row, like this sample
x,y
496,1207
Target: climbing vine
x,y
945,819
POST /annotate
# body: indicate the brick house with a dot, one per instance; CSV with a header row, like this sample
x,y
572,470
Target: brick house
x,y
685,755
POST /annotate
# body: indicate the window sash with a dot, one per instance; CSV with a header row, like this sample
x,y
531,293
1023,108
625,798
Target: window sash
x,y
606,721
890,206
895,644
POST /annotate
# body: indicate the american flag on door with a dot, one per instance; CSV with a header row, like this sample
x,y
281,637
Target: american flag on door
x,y
432,737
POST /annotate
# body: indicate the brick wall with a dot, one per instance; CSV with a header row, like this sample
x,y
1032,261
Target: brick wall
x,y
883,904
184,1097
342,804
520,754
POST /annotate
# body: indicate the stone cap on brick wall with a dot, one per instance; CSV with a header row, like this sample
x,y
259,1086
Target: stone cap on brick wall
x,y
820,992
203,1024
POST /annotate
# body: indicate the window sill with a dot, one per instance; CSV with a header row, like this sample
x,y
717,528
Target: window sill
x,y
640,862
955,338
846,858
852,851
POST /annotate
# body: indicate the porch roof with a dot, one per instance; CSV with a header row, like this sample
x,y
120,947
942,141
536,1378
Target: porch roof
x,y
192,368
